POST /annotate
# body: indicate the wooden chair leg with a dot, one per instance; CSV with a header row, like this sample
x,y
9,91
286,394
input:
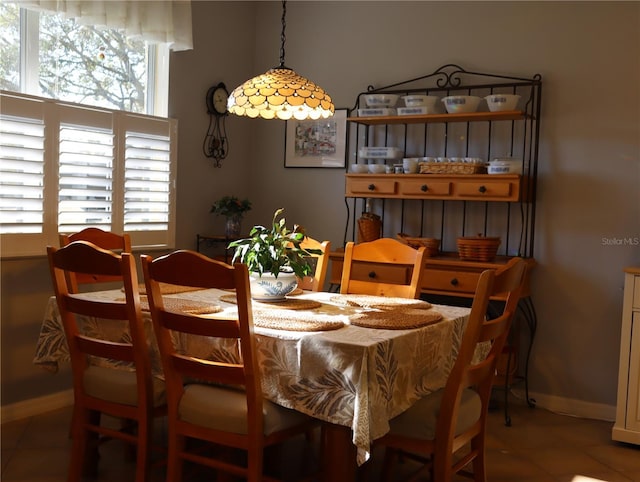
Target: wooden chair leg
x,y
390,457
84,451
143,447
174,461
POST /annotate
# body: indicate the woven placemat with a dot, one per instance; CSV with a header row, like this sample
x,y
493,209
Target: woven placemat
x,y
379,302
404,319
286,304
178,304
169,289
186,306
292,321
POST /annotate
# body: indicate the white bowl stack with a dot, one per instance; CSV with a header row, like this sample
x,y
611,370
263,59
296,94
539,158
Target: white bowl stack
x,y
458,104
502,102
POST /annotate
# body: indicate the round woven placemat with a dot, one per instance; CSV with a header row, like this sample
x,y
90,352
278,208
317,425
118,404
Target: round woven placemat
x,y
286,304
186,306
395,320
379,302
168,289
292,321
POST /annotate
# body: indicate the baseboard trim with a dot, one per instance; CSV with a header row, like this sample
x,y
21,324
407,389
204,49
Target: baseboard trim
x,y
562,405
36,406
571,407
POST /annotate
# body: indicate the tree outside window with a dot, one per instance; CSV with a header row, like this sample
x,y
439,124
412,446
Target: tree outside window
x,y
73,62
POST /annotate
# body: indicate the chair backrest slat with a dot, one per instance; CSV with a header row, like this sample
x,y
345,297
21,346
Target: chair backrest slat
x,y
105,349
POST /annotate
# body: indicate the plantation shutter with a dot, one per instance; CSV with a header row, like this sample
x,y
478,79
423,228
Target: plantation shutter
x,y
22,137
147,182
85,184
21,175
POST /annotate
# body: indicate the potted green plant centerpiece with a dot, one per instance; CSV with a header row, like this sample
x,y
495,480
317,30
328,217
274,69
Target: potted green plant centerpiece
x,y
274,258
233,209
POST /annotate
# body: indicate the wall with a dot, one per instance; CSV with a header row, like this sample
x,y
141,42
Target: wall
x,y
589,151
588,54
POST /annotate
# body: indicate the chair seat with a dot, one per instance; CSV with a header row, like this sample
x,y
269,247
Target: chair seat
x,y
226,409
419,421
119,386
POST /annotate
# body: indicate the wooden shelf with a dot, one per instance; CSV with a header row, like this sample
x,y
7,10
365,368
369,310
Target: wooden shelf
x,y
433,118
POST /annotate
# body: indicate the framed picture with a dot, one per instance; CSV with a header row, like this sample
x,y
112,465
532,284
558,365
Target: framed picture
x,y
316,143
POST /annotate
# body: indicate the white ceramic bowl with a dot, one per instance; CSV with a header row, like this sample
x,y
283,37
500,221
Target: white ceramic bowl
x,y
359,168
502,102
416,100
457,104
380,100
505,165
376,168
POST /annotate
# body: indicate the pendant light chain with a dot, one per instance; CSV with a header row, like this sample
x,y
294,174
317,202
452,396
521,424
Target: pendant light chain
x,y
283,38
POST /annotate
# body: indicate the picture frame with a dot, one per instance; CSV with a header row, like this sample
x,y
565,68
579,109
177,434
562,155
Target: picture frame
x,y
317,143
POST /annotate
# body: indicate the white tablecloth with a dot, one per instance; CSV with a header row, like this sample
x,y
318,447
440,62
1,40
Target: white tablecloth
x,y
352,376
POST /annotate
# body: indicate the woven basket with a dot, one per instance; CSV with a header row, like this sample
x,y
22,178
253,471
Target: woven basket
x,y
432,245
452,168
478,248
369,227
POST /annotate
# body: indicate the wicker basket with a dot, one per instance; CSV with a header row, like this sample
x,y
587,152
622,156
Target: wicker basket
x,y
369,227
452,168
478,248
432,245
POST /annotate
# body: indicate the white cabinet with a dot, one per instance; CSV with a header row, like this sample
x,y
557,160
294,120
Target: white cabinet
x,y
627,426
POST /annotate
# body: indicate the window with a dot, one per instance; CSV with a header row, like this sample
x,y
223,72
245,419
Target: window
x,y
93,157
47,55
65,166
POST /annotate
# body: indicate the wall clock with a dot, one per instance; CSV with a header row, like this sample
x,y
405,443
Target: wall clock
x,y
216,143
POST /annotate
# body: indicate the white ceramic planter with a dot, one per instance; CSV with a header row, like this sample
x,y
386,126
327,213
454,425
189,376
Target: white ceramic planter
x,y
267,287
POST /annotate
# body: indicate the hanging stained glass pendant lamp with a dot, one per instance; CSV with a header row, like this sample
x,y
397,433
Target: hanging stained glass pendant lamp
x,y
280,93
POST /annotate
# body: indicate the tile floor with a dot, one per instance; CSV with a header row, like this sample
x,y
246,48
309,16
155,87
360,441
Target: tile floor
x,y
540,446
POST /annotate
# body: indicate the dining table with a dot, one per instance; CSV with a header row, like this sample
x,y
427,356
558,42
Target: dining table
x,y
351,361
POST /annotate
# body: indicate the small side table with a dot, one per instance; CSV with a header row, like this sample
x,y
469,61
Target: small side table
x,y
214,240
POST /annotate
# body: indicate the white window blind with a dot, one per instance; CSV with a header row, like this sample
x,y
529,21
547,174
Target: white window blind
x,y
21,175
85,182
147,182
64,167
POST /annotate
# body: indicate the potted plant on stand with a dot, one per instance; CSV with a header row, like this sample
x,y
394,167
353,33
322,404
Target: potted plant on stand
x,y
233,209
274,258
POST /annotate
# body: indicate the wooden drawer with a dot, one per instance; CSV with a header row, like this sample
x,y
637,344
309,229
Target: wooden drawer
x,y
369,186
450,281
475,187
425,188
487,189
636,293
366,271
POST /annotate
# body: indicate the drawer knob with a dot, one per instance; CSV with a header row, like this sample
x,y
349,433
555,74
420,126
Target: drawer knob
x,y
454,281
482,189
424,188
372,274
371,187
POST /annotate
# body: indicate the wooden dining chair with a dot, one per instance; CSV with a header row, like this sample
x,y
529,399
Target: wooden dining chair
x,y
368,266
216,401
119,243
109,377
317,280
438,426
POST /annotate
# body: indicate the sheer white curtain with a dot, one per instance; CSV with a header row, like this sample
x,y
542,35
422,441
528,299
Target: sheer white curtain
x,y
155,21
